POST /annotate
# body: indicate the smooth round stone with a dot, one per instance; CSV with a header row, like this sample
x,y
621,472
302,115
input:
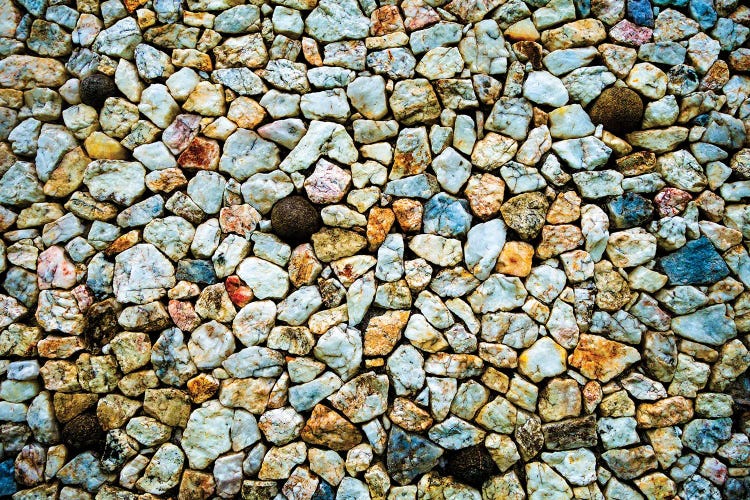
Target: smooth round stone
x,y
619,109
294,219
84,433
95,89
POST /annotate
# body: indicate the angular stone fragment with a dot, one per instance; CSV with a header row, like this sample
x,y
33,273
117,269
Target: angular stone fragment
x,y
410,455
602,359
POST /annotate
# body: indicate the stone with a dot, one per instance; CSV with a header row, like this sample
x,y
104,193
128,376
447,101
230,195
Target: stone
x,y
410,455
602,359
472,465
294,219
414,102
207,434
327,428
618,109
83,432
142,274
709,325
696,263
545,358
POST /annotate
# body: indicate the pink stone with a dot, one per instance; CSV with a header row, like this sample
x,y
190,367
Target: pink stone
x,y
328,183
55,270
183,314
181,132
418,14
671,201
630,34
713,470
84,297
239,219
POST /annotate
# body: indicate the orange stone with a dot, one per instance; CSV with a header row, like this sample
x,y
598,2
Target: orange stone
x,y
379,223
515,259
383,332
408,214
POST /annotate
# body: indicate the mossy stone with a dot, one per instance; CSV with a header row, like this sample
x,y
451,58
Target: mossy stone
x,y
619,109
472,465
294,219
83,433
95,89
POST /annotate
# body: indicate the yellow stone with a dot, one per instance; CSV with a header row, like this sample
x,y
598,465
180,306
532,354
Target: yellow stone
x,y
100,146
522,30
68,175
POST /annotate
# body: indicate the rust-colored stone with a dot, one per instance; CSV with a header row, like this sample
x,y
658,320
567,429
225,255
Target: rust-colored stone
x,y
201,153
600,358
383,332
327,428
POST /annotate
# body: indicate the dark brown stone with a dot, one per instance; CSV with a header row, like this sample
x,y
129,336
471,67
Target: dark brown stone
x,y
294,219
84,433
619,109
472,465
570,434
101,324
529,51
95,89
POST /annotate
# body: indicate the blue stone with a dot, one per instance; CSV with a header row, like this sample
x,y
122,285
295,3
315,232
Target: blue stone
x,y
703,11
22,285
323,492
196,271
737,488
414,186
696,263
698,487
410,455
142,212
641,13
629,210
7,480
583,7
671,3
701,120
729,34
446,216
706,435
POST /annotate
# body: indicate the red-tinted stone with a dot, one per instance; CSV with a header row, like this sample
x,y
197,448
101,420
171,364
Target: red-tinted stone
x,y
671,201
239,294
201,153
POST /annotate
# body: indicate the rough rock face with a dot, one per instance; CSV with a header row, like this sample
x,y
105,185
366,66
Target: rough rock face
x,y
374,250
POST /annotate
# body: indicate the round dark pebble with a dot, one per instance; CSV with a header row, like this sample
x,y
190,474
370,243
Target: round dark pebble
x,y
472,466
83,433
619,109
95,89
294,219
